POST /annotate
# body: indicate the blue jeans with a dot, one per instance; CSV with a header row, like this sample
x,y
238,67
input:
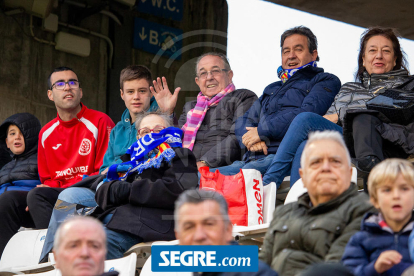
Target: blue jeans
x,y
74,195
78,195
260,164
118,243
287,157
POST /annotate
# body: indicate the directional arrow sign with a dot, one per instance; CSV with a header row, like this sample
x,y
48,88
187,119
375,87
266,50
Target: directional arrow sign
x,y
160,37
142,34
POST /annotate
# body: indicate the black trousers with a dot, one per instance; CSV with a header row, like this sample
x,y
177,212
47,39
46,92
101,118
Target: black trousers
x,y
13,215
41,202
368,141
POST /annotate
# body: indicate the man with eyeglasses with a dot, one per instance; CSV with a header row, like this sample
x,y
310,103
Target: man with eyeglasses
x,y
209,122
137,94
70,146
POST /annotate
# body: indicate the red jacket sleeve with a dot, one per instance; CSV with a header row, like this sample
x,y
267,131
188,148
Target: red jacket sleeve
x,y
105,126
44,174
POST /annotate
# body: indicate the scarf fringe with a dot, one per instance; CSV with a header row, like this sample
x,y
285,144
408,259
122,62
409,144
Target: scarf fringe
x,y
155,162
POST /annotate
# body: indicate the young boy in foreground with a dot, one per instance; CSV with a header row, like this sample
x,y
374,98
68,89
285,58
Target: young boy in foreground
x,y
381,247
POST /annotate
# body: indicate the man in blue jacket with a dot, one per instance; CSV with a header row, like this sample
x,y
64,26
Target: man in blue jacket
x,y
303,87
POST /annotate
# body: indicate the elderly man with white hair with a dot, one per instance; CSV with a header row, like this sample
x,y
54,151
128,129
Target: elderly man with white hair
x,y
80,247
317,227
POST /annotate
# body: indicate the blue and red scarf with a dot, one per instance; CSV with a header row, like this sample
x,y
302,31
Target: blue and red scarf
x,y
285,74
147,152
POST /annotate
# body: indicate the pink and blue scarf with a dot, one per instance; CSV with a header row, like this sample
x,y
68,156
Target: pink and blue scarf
x,y
285,74
196,115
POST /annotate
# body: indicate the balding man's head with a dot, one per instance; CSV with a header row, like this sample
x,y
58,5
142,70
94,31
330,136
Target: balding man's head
x,y
80,247
326,167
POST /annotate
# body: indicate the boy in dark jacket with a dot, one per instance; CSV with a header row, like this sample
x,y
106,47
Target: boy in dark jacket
x,y
18,135
381,247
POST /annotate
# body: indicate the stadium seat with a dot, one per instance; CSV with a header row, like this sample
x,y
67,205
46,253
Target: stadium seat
x,y
54,272
244,234
297,189
146,271
22,253
125,266
254,234
143,251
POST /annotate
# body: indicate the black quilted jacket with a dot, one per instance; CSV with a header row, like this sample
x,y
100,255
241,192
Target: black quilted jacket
x,y
23,166
354,95
351,100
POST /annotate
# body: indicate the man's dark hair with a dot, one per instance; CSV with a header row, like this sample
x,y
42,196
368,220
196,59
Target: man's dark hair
x,y
302,30
216,54
392,35
135,72
58,69
196,196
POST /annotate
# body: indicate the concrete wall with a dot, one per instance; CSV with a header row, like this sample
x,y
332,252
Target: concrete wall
x,y
208,18
25,65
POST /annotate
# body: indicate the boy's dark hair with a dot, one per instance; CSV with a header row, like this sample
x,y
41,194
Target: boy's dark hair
x,y
58,69
135,72
302,30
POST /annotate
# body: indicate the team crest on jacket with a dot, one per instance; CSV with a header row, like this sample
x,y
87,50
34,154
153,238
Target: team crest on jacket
x,y
85,147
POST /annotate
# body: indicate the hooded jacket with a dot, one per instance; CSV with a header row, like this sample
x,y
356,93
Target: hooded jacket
x,y
364,248
301,234
308,90
21,172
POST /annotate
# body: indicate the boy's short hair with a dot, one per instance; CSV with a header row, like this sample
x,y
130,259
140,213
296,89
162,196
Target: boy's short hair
x,y
135,72
387,172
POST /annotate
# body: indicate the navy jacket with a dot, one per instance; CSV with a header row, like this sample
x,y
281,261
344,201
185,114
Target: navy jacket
x,y
364,248
308,90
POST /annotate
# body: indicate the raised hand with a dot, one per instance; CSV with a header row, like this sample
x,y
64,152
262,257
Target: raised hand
x,y
165,100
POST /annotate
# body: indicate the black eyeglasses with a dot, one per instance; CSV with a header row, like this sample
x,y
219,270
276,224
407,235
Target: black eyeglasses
x,y
215,72
60,85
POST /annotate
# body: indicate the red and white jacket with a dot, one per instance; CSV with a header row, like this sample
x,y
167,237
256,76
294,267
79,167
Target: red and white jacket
x,y
68,150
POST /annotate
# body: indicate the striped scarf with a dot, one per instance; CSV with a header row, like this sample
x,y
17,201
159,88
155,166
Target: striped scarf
x,y
196,115
285,74
147,152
